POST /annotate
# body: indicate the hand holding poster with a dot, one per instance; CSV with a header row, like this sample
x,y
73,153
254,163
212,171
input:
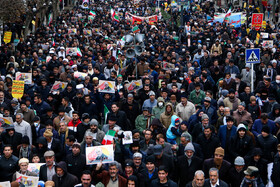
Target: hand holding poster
x,y
17,89
79,74
27,181
106,86
134,85
26,77
104,153
58,86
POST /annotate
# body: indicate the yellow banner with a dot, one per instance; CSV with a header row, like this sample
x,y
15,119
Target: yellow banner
x,y
264,24
17,89
7,37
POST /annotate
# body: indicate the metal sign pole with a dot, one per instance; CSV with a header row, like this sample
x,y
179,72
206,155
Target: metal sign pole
x,y
252,77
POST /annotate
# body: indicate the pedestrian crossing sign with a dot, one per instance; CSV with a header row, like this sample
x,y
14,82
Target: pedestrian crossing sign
x,y
253,55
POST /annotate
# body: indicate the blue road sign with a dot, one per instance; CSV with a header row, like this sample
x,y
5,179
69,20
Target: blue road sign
x,y
253,55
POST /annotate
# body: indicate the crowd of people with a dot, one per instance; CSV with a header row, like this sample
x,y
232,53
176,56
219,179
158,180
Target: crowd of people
x,y
196,121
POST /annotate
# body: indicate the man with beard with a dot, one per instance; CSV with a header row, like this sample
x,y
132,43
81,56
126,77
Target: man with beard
x,y
110,177
198,180
23,165
232,101
214,179
237,172
251,178
189,164
62,178
131,108
94,131
223,119
83,127
218,162
242,115
47,170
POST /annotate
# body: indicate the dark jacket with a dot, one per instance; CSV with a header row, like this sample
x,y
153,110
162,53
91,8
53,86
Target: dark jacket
x,y
67,180
156,183
183,167
81,129
167,161
221,183
57,148
8,166
41,108
276,171
240,146
147,179
223,171
268,145
121,120
208,146
14,140
236,177
76,164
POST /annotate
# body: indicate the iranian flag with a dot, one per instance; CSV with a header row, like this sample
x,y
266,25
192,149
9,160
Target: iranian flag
x,y
92,13
53,42
106,111
227,15
79,53
50,19
115,16
108,138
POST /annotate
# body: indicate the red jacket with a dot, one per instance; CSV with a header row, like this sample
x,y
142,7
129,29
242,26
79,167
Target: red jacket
x,y
73,126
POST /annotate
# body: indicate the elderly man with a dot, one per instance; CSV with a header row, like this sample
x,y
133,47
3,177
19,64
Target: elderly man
x,y
214,179
198,180
242,115
53,144
252,177
47,170
110,177
23,165
23,127
187,163
28,114
64,132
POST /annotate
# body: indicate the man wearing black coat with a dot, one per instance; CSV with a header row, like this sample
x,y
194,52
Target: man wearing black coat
x,y
131,108
12,138
55,144
276,168
121,117
76,162
189,164
62,178
208,142
218,162
236,173
88,107
8,164
47,170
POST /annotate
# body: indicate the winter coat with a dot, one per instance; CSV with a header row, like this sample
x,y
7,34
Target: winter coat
x,y
240,147
165,118
257,127
7,167
236,177
208,146
67,179
142,122
76,164
196,98
245,116
268,145
81,129
223,134
169,133
170,183
183,167
276,170
157,111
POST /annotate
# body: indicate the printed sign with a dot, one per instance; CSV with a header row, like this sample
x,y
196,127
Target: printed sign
x,y
134,85
264,34
5,184
267,44
17,89
7,37
58,87
87,32
127,139
104,153
72,31
79,74
252,55
27,181
257,20
106,86
34,167
26,77
71,51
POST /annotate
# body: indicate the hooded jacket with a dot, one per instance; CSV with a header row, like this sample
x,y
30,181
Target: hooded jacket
x,y
165,118
272,115
67,179
157,110
169,133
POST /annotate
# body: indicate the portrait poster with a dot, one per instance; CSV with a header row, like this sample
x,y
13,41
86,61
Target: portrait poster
x,y
79,74
72,31
134,85
127,139
26,77
106,86
267,44
58,86
71,51
27,181
34,167
87,32
96,154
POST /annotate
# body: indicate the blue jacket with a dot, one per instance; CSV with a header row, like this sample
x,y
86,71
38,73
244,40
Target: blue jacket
x,y
223,134
257,127
169,134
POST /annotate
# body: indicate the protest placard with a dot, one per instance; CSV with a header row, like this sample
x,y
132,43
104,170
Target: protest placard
x,y
27,181
72,31
58,87
79,74
106,86
127,139
17,89
26,77
104,153
134,85
5,184
34,167
267,44
71,51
